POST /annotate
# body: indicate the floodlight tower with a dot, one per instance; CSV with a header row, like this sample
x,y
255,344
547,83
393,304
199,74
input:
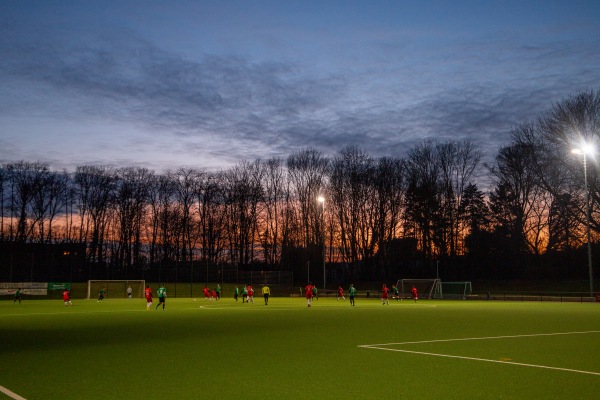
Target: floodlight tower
x,y
584,150
321,200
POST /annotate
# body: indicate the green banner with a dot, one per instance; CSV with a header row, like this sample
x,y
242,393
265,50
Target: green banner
x,y
59,286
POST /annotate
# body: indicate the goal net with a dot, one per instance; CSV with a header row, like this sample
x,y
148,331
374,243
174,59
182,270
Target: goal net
x,y
116,289
453,290
425,287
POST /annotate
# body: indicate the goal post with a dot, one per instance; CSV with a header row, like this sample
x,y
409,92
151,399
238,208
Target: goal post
x,y
116,289
425,287
454,290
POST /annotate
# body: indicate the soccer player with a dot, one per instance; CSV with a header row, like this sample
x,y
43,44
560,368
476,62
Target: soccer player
x,y
148,293
101,294
308,290
17,296
315,292
67,298
384,295
250,294
244,294
415,293
218,290
162,296
395,292
236,293
129,292
340,293
266,292
351,293
206,292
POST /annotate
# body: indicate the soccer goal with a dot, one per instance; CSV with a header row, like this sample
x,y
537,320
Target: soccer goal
x,y
116,289
425,287
453,290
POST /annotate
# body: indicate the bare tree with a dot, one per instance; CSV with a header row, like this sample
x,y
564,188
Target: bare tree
x,y
242,197
388,196
352,195
130,201
424,197
571,123
211,211
186,185
307,169
458,162
3,181
48,202
27,181
518,202
95,187
276,201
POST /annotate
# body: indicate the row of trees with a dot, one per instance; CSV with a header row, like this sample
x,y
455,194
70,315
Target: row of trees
x,y
267,211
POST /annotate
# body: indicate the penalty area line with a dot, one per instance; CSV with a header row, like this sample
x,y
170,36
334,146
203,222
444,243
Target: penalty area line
x,y
486,360
11,394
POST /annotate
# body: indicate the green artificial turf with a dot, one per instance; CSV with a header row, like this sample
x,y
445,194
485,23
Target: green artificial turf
x,y
197,349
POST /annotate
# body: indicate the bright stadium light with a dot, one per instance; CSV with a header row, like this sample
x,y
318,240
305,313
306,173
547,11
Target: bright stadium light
x,y
584,150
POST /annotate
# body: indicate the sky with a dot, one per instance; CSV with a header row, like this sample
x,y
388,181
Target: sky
x,y
207,84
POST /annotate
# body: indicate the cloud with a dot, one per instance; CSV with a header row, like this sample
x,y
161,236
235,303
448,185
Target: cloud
x,y
213,108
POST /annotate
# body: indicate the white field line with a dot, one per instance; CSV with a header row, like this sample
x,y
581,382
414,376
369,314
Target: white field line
x,y
480,338
379,347
11,394
259,307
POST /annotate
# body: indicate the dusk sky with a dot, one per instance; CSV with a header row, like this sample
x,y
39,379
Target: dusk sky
x,y
168,84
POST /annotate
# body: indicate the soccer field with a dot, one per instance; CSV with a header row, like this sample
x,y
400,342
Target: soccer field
x,y
224,350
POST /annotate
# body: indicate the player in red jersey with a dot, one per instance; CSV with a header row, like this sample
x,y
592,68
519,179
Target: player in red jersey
x,y
309,293
415,293
67,298
207,294
340,293
250,295
148,294
384,295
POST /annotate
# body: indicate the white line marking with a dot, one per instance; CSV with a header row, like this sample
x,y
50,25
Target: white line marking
x,y
378,347
11,394
480,338
487,360
208,307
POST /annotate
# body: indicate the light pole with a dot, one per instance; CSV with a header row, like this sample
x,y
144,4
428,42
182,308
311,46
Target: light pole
x,y
321,200
584,150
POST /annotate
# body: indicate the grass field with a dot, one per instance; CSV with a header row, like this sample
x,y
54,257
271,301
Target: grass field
x,y
226,350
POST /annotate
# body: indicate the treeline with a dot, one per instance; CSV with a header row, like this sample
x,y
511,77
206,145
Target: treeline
x,y
267,212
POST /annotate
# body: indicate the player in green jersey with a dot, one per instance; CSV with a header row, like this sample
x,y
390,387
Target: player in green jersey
x,y
17,296
395,293
351,293
162,295
244,294
101,294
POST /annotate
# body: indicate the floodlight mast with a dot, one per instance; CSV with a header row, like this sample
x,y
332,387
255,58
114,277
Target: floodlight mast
x,y
584,150
321,200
